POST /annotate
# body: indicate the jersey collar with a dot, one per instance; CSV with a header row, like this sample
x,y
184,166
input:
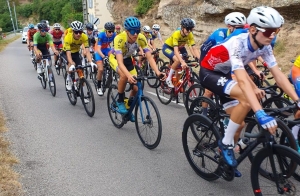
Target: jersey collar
x,y
249,44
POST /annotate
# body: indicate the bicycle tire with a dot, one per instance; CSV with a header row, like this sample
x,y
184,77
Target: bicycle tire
x,y
282,154
278,102
34,64
72,94
280,138
87,97
204,145
59,66
163,89
196,107
191,94
43,80
150,138
159,63
112,96
52,88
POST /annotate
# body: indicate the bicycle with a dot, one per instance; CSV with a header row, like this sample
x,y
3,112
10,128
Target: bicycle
x,y
47,75
147,118
81,88
165,94
62,63
205,135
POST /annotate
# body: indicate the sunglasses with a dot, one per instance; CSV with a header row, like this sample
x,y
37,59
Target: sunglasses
x,y
134,31
189,29
56,29
156,29
43,30
110,31
77,32
147,32
269,31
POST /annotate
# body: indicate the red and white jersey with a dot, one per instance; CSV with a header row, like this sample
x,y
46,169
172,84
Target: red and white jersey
x,y
57,35
234,53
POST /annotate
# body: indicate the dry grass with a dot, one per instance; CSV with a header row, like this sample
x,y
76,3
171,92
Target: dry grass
x,y
5,42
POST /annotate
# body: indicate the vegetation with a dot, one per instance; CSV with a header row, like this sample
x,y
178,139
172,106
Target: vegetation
x,y
144,6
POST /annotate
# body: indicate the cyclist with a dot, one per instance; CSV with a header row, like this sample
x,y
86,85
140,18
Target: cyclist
x,y
103,51
146,30
40,41
174,46
125,44
31,31
156,34
71,47
91,40
118,29
232,55
57,35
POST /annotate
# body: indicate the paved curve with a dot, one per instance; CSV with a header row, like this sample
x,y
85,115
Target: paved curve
x,y
62,151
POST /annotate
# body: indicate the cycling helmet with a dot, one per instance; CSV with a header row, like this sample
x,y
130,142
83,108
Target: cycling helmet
x,y
194,22
187,23
146,29
132,23
30,26
42,26
265,17
56,25
89,26
156,26
235,19
77,25
282,20
118,27
109,26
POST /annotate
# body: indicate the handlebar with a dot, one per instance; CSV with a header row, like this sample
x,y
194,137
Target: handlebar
x,y
271,90
284,112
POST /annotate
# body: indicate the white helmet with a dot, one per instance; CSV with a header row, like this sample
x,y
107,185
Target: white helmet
x,y
77,26
56,25
235,19
282,20
155,26
194,22
146,29
265,17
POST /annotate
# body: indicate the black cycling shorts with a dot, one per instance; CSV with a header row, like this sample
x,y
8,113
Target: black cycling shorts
x,y
76,57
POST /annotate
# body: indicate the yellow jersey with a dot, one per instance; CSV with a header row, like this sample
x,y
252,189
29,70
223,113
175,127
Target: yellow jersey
x,y
176,39
297,62
121,46
73,45
69,30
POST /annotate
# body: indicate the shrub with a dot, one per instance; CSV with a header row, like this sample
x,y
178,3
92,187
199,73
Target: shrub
x,y
144,6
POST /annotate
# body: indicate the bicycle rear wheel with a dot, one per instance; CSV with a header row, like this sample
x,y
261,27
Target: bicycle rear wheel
x,y
200,143
43,80
159,63
115,116
191,94
63,69
148,123
281,170
51,82
164,92
87,97
203,103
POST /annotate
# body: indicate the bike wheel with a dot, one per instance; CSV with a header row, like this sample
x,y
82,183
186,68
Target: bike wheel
x,y
148,123
43,80
115,116
34,64
159,63
164,92
52,86
87,97
199,105
153,82
281,155
59,67
72,94
276,102
283,136
200,143
191,94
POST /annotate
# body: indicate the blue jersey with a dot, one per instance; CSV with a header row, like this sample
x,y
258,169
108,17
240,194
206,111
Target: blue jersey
x,y
273,41
105,41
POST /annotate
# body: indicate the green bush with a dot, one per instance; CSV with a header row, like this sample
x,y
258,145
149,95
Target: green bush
x,y
144,6
25,10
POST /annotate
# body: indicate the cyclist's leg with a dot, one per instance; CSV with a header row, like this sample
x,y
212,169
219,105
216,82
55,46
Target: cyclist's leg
x,y
169,52
99,62
208,94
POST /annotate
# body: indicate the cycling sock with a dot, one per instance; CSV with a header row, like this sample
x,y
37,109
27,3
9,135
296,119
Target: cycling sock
x,y
295,130
229,133
99,84
204,111
170,74
121,97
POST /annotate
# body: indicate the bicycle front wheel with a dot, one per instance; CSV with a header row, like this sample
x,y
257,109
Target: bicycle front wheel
x,y
87,97
148,123
115,116
279,173
164,92
51,82
43,80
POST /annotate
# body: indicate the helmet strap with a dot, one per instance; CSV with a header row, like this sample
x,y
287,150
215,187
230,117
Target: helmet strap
x,y
260,46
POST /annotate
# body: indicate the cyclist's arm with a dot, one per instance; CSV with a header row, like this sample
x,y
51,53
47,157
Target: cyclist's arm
x,y
194,51
35,42
254,68
282,82
28,36
177,54
121,65
69,58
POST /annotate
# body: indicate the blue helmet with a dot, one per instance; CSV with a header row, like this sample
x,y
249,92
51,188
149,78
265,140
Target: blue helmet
x,y
30,26
132,23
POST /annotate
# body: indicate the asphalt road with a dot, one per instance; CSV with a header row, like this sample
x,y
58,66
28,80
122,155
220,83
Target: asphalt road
x,y
64,152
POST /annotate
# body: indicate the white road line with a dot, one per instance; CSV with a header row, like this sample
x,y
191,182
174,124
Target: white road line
x,y
165,98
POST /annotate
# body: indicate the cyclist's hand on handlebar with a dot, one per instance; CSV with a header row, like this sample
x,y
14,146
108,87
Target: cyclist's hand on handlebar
x,y
56,52
72,68
105,60
162,76
183,65
259,93
131,79
266,121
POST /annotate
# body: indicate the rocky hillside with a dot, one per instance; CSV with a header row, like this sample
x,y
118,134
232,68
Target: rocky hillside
x,y
209,15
